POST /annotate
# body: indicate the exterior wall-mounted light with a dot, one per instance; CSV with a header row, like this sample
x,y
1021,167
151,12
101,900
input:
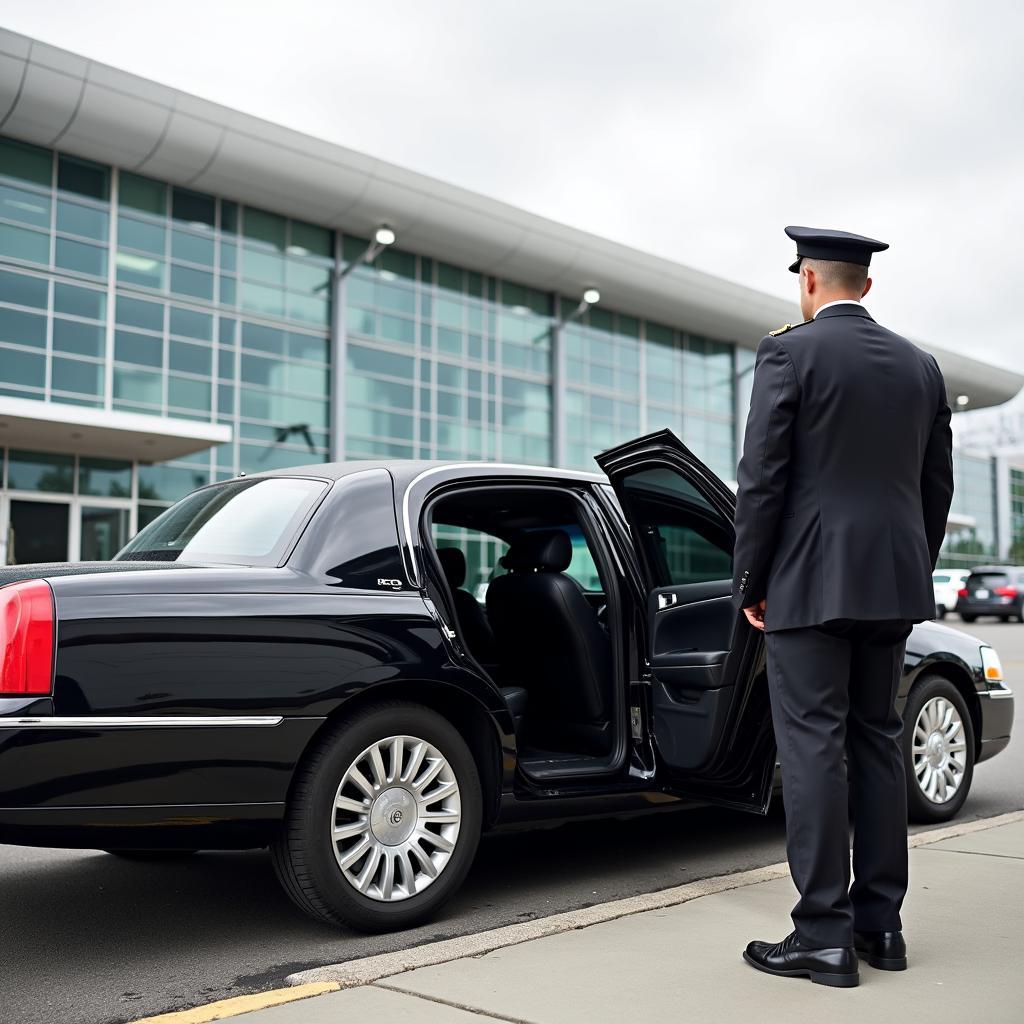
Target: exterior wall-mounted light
x,y
383,237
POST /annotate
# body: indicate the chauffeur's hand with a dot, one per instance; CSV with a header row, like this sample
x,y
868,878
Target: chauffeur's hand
x,y
755,615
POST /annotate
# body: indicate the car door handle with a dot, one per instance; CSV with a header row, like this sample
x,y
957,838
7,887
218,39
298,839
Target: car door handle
x,y
666,601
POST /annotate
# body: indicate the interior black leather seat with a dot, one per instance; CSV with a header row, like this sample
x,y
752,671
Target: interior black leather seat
x,y
476,631
550,641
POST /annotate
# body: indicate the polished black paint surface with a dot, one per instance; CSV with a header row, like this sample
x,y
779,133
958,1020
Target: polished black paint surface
x,y
342,622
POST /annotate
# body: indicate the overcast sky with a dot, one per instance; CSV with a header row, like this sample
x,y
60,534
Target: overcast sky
x,y
692,130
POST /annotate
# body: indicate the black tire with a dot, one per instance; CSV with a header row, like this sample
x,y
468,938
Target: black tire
x,y
151,856
968,618
303,854
940,612
919,807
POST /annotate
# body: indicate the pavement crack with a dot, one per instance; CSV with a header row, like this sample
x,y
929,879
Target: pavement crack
x,y
973,853
465,1007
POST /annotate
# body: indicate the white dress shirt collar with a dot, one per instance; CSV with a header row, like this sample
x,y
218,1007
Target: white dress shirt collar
x,y
839,302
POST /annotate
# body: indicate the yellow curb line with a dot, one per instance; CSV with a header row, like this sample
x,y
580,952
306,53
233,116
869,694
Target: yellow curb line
x,y
242,1004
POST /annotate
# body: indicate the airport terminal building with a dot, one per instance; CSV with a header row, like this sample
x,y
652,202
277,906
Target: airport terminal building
x,y
188,292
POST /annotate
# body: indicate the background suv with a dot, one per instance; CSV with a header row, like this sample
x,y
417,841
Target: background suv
x,y
993,590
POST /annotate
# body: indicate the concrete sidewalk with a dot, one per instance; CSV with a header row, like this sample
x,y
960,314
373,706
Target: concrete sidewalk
x,y
964,928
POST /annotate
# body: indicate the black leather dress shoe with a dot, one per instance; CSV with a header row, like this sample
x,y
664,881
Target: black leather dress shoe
x,y
790,959
885,950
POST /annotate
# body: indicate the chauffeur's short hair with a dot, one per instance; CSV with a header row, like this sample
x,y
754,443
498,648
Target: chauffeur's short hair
x,y
836,274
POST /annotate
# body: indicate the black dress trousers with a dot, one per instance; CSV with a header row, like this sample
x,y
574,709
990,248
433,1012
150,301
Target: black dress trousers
x,y
833,690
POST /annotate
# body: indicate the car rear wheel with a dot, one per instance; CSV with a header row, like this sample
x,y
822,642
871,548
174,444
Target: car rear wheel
x,y
940,612
383,820
968,618
938,750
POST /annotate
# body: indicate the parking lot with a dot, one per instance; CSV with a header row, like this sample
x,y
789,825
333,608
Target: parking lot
x,y
90,939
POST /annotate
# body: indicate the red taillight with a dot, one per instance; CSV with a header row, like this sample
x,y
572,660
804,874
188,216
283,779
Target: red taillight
x,y
1006,591
962,592
26,638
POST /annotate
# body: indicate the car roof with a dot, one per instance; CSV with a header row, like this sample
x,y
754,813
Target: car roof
x,y
996,568
406,470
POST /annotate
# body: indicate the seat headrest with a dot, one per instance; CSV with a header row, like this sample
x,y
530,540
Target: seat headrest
x,y
453,562
543,550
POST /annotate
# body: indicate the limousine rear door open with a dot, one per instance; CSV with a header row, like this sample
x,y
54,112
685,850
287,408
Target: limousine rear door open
x,y
710,712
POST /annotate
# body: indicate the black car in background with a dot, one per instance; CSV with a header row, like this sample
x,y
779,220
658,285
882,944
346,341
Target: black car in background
x,y
302,660
992,590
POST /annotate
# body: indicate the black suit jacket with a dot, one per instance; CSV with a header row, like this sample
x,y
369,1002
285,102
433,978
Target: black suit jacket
x,y
846,477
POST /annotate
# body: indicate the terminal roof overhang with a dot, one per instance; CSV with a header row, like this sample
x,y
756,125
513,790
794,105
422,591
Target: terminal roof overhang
x,y
56,98
58,427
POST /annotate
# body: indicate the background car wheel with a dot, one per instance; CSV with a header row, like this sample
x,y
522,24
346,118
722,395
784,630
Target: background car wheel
x,y
938,750
940,612
968,618
151,855
383,820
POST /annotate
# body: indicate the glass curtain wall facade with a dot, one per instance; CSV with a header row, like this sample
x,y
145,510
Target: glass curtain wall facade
x,y
1016,554
120,292
974,495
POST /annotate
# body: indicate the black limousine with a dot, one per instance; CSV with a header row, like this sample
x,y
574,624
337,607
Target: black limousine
x,y
365,665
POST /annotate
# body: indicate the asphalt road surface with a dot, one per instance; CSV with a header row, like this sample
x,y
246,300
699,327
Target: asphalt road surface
x,y
88,939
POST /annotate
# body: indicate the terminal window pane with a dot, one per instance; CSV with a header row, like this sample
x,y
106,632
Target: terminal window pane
x,y
20,328
139,313
24,207
76,375
23,290
138,386
192,247
40,471
26,163
189,358
228,216
85,221
82,257
308,346
77,337
188,323
186,393
262,226
139,193
24,369
144,235
162,482
264,339
141,270
86,302
24,244
108,477
143,349
83,177
311,239
258,298
194,208
187,281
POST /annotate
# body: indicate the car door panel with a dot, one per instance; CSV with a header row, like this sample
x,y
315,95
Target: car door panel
x,y
695,618
709,708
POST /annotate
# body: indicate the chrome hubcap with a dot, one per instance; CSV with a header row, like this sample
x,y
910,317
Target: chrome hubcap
x,y
939,750
396,818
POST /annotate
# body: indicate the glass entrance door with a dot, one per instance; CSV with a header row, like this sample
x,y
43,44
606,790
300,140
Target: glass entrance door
x,y
103,531
38,531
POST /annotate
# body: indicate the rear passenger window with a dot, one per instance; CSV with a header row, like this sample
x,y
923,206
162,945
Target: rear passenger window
x,y
683,536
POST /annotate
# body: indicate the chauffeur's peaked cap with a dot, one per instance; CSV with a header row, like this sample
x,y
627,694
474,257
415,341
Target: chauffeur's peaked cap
x,y
822,244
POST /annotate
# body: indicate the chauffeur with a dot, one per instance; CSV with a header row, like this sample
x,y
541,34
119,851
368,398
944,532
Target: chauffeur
x,y
844,488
